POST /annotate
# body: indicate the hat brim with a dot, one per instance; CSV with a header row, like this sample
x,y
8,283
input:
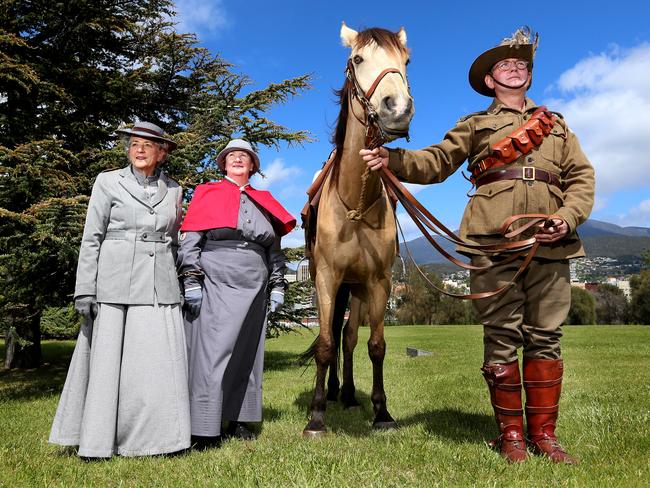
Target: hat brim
x,y
171,145
221,158
483,64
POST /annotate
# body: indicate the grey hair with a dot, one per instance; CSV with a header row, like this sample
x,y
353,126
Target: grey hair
x,y
126,142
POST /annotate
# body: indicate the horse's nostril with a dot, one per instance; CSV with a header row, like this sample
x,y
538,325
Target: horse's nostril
x,y
409,105
388,102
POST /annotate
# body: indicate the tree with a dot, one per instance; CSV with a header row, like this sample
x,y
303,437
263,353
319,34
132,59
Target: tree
x,y
640,302
71,73
583,307
298,303
422,304
611,304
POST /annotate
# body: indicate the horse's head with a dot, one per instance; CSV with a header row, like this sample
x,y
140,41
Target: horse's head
x,y
377,65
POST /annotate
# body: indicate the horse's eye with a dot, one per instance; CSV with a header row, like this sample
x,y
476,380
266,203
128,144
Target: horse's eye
x,y
408,61
357,59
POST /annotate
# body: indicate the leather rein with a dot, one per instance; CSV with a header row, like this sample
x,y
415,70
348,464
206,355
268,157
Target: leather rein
x,y
377,135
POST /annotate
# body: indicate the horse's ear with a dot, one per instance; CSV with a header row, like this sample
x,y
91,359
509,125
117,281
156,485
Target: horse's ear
x,y
348,36
401,35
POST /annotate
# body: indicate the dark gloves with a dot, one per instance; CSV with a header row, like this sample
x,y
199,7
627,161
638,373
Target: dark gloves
x,y
86,305
193,299
277,299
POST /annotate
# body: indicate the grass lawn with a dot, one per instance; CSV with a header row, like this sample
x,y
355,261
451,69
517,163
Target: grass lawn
x,y
440,402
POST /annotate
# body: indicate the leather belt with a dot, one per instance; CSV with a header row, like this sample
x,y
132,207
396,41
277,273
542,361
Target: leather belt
x,y
525,173
146,236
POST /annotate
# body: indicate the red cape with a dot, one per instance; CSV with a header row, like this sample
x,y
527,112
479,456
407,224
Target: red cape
x,y
216,205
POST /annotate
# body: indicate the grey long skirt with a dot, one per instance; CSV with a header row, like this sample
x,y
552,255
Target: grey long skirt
x,y
126,391
226,340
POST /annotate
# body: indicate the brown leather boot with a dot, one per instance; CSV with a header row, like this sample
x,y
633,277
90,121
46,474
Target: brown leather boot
x,y
543,384
504,382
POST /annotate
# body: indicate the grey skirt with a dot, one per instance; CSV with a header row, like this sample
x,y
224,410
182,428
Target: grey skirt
x,y
126,391
226,340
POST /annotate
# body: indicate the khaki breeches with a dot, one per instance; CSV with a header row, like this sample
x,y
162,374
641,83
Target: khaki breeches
x,y
529,315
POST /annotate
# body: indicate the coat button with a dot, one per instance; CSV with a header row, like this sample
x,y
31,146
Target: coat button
x,y
151,212
144,236
248,221
151,253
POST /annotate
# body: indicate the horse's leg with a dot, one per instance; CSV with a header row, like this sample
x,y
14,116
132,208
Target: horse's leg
x,y
324,351
351,335
340,305
378,297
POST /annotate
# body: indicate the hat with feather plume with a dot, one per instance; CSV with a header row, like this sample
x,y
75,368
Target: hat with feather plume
x,y
521,45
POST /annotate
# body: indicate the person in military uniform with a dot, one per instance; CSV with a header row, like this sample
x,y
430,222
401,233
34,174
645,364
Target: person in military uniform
x,y
523,159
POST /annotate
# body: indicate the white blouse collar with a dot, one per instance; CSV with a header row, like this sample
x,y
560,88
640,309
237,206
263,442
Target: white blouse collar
x,y
241,188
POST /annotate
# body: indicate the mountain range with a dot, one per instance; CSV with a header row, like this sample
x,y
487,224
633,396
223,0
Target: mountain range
x,y
599,238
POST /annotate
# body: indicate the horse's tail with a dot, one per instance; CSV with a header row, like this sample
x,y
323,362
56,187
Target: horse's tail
x,y
341,303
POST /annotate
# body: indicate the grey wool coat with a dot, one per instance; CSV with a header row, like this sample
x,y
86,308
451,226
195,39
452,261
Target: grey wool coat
x,y
130,241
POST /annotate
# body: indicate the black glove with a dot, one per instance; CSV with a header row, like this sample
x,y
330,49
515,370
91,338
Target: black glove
x,y
86,305
193,299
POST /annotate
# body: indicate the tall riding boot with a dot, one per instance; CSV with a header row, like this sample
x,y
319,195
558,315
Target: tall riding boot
x,y
543,384
504,382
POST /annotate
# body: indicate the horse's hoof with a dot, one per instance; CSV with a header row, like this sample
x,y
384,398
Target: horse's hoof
x,y
314,434
387,425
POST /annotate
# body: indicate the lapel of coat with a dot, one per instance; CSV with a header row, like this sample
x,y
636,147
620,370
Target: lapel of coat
x,y
129,183
162,190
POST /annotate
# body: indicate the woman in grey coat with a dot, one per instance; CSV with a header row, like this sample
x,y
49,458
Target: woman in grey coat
x,y
126,390
230,258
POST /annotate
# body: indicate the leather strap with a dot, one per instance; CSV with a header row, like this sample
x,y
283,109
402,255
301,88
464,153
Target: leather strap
x,y
519,142
526,173
424,219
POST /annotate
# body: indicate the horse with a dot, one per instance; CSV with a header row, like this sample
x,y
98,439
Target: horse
x,y
355,241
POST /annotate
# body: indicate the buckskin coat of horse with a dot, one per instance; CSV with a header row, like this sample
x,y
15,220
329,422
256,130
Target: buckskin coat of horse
x,y
355,242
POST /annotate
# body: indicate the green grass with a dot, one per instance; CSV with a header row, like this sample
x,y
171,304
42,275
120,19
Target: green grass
x,y
440,401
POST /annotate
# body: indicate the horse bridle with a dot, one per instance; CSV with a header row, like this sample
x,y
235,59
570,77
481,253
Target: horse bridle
x,y
376,132
376,136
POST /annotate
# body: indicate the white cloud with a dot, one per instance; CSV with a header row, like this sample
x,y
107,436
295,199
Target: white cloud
x,y
200,16
638,216
276,172
295,238
606,101
409,229
414,188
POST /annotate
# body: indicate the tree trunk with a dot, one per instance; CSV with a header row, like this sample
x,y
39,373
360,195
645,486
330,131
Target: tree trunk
x,y
23,341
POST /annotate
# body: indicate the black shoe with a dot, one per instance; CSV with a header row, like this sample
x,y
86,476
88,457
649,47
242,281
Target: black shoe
x,y
239,430
201,443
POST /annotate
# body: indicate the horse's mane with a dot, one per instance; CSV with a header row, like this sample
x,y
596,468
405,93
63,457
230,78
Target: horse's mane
x,y
384,39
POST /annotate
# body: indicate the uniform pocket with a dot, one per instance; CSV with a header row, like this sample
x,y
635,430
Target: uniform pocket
x,y
489,207
493,129
551,147
555,199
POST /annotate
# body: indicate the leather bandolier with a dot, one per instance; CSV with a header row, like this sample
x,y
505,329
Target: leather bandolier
x,y
516,144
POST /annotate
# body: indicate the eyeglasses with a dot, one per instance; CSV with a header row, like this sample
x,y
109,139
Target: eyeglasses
x,y
147,146
507,64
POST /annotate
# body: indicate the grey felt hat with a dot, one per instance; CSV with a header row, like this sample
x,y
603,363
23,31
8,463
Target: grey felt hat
x,y
238,145
522,45
148,131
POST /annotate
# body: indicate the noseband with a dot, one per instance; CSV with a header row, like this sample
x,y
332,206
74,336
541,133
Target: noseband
x,y
376,132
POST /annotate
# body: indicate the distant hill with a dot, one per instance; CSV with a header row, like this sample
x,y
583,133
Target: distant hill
x,y
599,238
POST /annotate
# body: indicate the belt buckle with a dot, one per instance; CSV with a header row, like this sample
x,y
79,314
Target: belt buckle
x,y
528,173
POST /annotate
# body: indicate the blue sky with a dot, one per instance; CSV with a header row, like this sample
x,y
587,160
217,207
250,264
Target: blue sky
x,y
592,65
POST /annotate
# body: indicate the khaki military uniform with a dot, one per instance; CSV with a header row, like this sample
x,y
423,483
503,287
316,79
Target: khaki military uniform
x,y
507,318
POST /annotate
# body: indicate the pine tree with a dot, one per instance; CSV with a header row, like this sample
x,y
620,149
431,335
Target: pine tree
x,y
70,73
